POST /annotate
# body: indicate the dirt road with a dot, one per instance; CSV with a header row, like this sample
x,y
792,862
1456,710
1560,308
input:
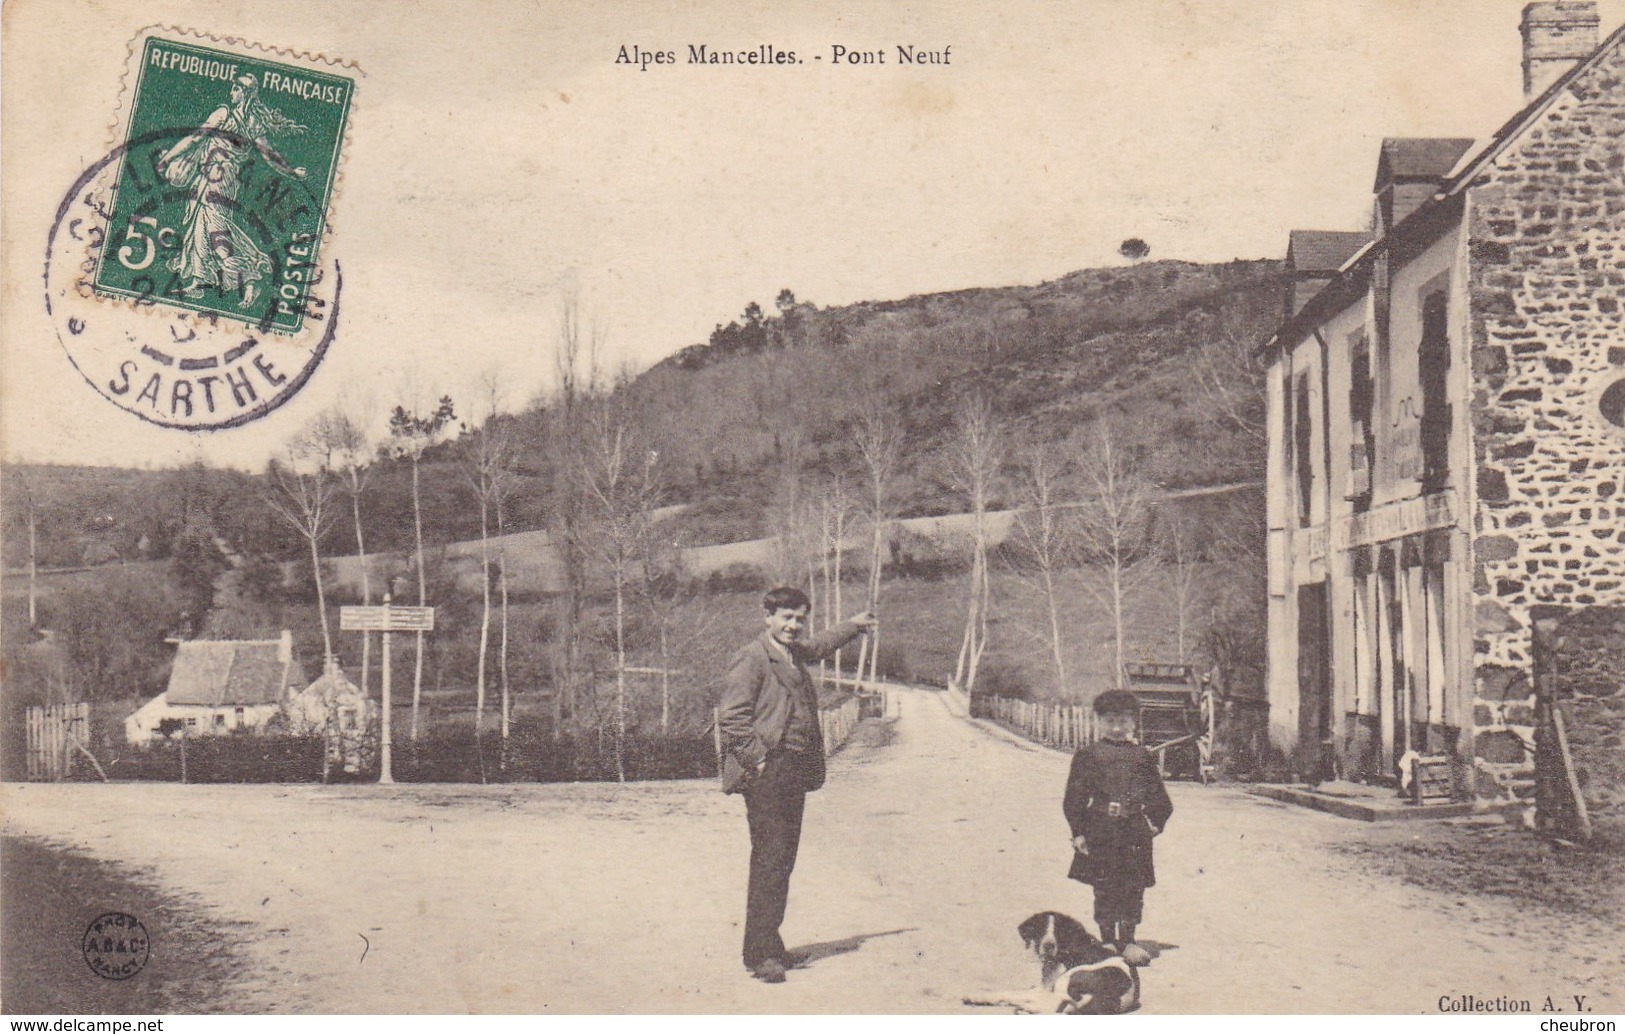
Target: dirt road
x,y
934,837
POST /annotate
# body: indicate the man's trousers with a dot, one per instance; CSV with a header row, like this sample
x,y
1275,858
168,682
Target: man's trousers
x,y
774,803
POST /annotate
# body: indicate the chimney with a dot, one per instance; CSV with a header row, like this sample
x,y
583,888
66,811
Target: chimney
x,y
1556,35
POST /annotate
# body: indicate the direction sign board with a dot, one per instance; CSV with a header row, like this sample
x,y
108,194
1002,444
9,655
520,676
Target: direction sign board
x,y
386,619
362,619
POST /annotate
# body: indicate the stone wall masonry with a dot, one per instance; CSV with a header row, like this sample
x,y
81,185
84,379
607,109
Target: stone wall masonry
x,y
1581,667
1546,261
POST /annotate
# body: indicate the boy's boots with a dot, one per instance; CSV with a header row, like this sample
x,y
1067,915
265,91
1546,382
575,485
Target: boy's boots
x,y
1132,953
1108,936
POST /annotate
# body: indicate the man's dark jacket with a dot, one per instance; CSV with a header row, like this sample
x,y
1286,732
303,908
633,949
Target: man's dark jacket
x,y
1116,801
756,699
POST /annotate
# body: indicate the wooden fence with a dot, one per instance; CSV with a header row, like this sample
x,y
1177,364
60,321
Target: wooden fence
x,y
873,699
58,736
1068,726
838,723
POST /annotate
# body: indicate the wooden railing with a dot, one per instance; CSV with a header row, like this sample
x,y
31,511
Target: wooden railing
x,y
873,699
836,723
1067,726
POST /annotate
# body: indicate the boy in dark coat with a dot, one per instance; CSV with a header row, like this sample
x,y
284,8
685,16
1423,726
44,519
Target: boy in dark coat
x,y
1115,803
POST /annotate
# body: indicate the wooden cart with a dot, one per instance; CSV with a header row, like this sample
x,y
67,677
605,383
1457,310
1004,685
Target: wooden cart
x,y
1178,717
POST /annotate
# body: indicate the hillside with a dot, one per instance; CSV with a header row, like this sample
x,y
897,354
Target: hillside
x,y
1123,345
744,429
732,416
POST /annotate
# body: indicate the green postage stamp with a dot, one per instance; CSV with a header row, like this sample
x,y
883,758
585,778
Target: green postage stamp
x,y
190,271
224,185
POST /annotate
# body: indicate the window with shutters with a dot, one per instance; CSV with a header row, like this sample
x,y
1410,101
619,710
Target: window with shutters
x,y
1303,461
1433,365
1362,433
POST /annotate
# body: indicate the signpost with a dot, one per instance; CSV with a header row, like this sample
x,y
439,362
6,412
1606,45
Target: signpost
x,y
386,619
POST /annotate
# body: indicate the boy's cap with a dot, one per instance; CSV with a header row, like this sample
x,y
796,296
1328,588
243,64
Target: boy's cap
x,y
1117,701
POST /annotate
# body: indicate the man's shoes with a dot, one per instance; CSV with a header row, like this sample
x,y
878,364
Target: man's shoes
x,y
796,958
768,971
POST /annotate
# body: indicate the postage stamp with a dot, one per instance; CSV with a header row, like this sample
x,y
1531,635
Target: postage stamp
x,y
190,273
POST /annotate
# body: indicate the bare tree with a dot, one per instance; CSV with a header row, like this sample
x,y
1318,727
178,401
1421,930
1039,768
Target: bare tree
x,y
487,462
791,517
660,582
880,445
1230,374
509,483
414,430
617,475
1046,539
26,490
1234,636
1178,547
566,432
301,493
837,509
977,454
343,439
1114,527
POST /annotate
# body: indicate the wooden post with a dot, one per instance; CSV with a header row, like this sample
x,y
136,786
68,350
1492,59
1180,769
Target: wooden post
x,y
1580,813
384,773
33,565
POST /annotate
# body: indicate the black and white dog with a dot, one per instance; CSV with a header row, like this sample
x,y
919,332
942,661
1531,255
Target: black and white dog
x,y
1090,978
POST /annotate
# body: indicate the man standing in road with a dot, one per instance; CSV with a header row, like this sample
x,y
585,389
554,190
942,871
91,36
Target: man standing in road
x,y
774,756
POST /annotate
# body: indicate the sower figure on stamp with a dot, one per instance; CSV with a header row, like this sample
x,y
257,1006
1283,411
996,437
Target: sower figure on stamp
x,y
1115,804
773,754
215,250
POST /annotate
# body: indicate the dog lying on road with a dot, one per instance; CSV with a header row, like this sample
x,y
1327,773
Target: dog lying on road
x,y
1077,974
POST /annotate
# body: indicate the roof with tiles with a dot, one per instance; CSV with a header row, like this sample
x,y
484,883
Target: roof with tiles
x,y
231,673
1419,158
1323,251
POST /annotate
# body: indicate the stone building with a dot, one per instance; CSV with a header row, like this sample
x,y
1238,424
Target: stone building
x,y
1446,493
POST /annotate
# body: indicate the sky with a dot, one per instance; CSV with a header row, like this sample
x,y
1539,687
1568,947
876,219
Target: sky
x,y
502,165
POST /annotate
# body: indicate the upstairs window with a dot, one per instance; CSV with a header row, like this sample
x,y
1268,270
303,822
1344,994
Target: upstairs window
x,y
1433,367
1362,434
1302,460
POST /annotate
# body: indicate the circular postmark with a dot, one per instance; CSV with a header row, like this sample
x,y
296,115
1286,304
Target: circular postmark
x,y
185,303
116,946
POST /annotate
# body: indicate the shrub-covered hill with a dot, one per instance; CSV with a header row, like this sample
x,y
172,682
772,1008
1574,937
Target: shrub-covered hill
x,y
774,395
1132,345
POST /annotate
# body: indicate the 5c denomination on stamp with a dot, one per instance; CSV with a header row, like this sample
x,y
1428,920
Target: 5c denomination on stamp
x,y
189,272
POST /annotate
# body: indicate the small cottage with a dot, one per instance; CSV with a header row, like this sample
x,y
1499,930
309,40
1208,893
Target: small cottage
x,y
218,687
